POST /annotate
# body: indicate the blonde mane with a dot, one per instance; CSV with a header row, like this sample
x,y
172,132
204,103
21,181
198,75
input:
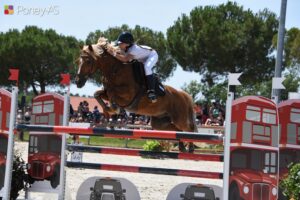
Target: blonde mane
x,y
103,42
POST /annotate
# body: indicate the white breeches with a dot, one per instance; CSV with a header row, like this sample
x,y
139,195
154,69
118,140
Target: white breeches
x,y
150,62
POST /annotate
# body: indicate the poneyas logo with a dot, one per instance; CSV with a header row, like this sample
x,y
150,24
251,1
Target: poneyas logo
x,y
8,9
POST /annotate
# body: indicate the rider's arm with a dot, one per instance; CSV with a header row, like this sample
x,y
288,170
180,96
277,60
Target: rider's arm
x,y
120,56
124,57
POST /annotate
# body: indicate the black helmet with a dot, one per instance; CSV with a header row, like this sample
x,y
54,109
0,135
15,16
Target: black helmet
x,y
125,37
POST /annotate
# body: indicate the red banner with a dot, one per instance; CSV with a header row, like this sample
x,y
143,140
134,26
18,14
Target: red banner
x,y
14,75
65,79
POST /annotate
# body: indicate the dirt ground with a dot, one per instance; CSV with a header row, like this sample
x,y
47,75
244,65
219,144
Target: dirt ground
x,y
150,187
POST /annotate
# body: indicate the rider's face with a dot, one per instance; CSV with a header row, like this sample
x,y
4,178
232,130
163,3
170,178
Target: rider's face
x,y
123,46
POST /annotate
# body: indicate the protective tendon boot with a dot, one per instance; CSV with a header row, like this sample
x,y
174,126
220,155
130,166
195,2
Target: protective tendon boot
x,y
151,90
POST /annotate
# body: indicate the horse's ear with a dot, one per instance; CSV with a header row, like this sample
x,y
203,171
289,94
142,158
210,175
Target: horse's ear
x,y
80,46
91,48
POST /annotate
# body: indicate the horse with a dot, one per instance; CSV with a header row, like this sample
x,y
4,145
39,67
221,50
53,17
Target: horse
x,y
173,111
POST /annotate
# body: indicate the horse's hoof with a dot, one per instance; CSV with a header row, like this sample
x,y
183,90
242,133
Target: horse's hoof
x,y
181,147
191,150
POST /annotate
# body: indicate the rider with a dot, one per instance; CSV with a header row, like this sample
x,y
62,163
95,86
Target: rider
x,y
141,53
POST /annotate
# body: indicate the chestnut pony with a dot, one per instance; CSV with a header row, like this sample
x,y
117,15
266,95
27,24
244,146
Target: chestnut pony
x,y
173,111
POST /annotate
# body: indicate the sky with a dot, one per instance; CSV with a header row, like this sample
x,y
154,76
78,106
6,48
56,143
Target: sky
x,y
79,18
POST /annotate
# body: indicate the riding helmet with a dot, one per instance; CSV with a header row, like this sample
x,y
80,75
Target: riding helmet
x,y
125,37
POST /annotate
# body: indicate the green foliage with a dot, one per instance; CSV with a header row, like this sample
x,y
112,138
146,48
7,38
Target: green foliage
x,y
193,89
144,36
41,55
217,91
153,145
291,47
291,82
258,89
264,88
19,177
216,40
291,184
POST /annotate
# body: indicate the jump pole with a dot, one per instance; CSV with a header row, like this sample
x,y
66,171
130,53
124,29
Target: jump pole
x,y
63,147
147,170
123,133
134,152
232,80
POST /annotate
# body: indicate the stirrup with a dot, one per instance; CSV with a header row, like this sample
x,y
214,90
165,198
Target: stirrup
x,y
152,96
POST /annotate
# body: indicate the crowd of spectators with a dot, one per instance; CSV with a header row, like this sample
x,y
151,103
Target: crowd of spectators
x,y
212,114
83,114
207,114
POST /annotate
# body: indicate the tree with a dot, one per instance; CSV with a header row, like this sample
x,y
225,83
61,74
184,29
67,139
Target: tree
x,y
291,84
217,91
216,40
144,36
291,47
290,185
41,55
193,89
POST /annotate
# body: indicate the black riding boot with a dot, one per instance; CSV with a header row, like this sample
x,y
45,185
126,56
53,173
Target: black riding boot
x,y
151,90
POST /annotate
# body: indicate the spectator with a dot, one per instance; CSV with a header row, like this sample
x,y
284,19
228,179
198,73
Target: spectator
x,y
80,108
205,111
214,110
85,110
27,116
198,112
220,119
216,114
71,111
96,115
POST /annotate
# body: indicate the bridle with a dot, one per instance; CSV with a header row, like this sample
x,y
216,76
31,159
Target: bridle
x,y
91,64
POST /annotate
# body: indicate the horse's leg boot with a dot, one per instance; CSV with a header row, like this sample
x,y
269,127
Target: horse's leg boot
x,y
191,147
151,88
181,147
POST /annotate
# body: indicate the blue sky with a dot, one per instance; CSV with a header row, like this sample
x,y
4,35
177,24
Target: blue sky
x,y
79,18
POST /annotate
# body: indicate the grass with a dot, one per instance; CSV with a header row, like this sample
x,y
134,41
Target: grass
x,y
101,141
112,142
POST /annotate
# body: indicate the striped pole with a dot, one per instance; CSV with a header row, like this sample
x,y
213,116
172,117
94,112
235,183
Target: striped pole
x,y
135,152
148,170
10,145
62,174
123,133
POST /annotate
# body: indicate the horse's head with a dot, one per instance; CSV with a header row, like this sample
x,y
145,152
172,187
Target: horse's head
x,y
87,63
93,57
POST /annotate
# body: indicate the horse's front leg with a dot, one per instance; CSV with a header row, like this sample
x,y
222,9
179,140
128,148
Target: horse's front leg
x,y
99,96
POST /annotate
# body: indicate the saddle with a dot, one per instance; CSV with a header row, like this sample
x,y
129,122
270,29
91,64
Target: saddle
x,y
140,78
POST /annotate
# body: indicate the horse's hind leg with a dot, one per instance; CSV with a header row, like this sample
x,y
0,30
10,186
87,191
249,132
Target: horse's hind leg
x,y
164,123
186,120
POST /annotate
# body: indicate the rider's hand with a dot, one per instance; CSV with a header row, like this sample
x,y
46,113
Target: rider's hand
x,y
110,50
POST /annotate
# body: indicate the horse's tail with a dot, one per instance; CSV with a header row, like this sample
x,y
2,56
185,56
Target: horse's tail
x,y
195,128
192,115
193,119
